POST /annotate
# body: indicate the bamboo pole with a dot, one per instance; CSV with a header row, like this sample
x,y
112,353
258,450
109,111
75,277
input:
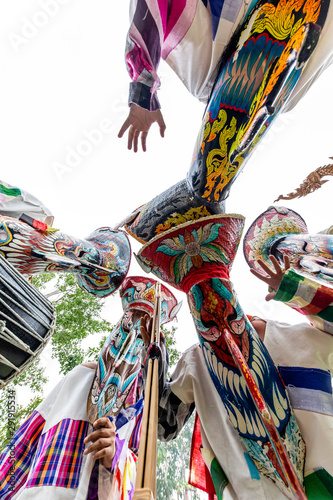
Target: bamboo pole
x,y
144,430
151,453
145,484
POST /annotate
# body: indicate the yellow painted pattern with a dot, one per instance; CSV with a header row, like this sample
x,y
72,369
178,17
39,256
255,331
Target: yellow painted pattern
x,y
279,20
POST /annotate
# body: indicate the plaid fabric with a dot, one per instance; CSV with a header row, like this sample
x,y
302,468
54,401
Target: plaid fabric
x,y
172,414
155,31
59,455
308,297
17,457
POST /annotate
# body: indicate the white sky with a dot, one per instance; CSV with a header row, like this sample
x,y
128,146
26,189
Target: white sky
x,y
67,77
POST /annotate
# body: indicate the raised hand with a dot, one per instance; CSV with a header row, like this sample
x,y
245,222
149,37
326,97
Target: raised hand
x,y
272,278
139,122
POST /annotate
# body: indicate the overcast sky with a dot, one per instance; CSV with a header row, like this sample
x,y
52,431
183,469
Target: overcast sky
x,y
63,78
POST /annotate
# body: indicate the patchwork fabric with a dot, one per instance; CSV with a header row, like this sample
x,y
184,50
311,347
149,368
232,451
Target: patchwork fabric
x,y
124,482
308,388
59,455
8,192
17,457
319,485
307,378
308,297
199,472
134,441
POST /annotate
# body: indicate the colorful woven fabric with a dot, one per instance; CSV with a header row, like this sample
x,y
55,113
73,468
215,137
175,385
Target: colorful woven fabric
x,y
308,297
59,455
23,444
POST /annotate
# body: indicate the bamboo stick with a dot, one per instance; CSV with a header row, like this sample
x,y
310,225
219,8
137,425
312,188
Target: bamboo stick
x,y
145,484
151,452
144,430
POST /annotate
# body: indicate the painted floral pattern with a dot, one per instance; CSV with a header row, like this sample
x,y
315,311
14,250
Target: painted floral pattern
x,y
192,249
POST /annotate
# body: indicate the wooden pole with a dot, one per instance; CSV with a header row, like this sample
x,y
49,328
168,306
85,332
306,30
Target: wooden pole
x,y
145,484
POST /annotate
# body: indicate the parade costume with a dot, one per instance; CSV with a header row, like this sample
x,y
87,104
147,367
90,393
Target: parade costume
x,y
100,262
120,359
196,258
280,231
118,380
191,37
49,460
261,67
306,363
301,351
189,244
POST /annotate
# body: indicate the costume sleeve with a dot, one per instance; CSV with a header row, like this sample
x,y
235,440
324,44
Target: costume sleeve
x,y
309,297
17,457
148,28
172,414
174,411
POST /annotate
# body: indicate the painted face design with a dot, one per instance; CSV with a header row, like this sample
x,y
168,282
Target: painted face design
x,y
100,262
308,253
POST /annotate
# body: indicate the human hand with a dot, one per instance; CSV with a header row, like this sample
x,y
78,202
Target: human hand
x,y
139,121
273,279
103,441
145,330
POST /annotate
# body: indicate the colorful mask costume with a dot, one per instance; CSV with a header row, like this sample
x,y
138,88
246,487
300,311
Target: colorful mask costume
x,y
259,70
280,231
100,262
120,359
196,258
51,440
116,390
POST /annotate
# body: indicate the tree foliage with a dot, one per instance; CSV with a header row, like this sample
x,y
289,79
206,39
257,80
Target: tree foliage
x,y
172,466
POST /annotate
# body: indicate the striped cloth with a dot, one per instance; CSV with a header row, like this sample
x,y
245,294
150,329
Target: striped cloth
x,y
17,457
309,297
59,455
50,459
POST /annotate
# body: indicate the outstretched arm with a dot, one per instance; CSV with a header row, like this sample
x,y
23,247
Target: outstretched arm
x,y
143,54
